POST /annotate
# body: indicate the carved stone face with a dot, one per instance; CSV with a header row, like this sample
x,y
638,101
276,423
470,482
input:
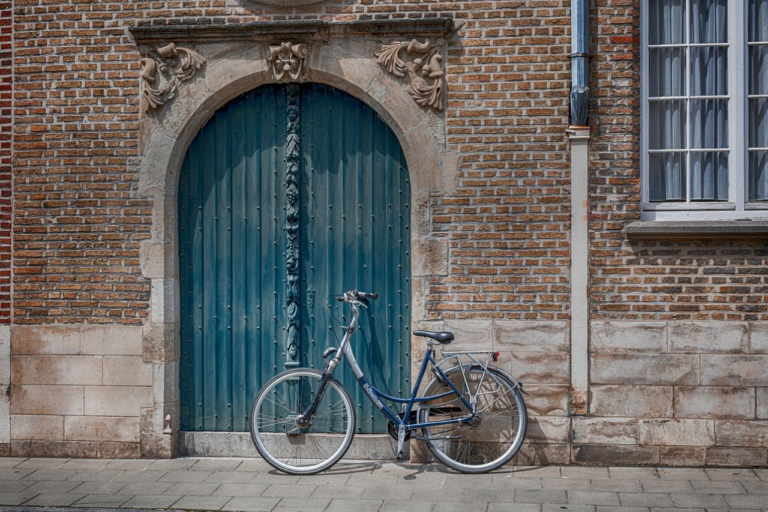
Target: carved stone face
x,y
287,60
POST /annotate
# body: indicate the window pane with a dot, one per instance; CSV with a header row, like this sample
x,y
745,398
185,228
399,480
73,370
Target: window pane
x,y
709,123
758,123
709,67
757,17
666,22
666,124
667,72
758,69
666,176
709,21
758,175
709,176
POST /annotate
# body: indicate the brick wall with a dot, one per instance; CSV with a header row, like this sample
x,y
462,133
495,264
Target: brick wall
x,y
676,343
80,223
508,222
6,84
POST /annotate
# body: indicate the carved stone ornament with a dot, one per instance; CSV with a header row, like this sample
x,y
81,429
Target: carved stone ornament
x,y
287,60
164,70
422,63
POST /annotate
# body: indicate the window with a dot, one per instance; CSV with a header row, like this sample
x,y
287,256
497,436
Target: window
x,y
705,109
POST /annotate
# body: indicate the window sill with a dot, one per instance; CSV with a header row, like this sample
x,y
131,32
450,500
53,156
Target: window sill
x,y
641,230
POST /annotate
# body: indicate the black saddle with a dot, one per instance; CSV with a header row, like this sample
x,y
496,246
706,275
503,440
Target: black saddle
x,y
440,337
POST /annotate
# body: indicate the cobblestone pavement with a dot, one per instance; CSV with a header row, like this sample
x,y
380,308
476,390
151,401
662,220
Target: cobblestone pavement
x,y
251,485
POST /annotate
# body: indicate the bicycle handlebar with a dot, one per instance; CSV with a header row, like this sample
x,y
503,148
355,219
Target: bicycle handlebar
x,y
354,294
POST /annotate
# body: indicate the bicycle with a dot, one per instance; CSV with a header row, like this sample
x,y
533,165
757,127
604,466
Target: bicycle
x,y
472,415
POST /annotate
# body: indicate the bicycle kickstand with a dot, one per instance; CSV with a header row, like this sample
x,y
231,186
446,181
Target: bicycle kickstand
x,y
400,441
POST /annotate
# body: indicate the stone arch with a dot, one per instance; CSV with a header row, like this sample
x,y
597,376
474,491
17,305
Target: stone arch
x,y
164,142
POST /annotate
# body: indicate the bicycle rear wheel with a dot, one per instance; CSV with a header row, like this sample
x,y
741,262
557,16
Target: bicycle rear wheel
x,y
293,449
489,441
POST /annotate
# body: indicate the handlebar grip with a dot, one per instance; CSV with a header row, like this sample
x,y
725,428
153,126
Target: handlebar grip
x,y
367,295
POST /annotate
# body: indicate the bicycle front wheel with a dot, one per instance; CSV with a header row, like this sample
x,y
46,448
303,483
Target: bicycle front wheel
x,y
488,441
306,449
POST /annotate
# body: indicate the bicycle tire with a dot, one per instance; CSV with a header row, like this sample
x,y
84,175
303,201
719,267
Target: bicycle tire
x,y
474,451
297,396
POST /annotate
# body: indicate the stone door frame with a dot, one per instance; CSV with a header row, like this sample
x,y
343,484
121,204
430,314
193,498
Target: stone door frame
x,y
236,61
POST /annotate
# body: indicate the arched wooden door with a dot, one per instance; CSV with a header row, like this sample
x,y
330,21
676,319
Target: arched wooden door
x,y
289,195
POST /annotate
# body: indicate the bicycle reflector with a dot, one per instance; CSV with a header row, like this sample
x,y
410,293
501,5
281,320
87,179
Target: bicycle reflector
x,y
495,357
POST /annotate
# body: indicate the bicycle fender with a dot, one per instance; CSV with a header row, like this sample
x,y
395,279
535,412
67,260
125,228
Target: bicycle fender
x,y
518,384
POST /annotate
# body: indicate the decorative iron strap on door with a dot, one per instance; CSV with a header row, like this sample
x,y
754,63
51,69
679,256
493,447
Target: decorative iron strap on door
x,y
289,194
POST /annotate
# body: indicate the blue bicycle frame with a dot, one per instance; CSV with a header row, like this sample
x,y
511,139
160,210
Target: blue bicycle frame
x,y
376,395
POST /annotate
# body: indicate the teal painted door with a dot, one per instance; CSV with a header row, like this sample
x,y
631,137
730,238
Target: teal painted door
x,y
289,195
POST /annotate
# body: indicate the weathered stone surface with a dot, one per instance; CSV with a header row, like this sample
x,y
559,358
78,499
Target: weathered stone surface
x,y
758,337
160,342
682,455
736,457
154,259
743,370
117,450
111,340
536,367
526,336
615,455
430,257
56,369
671,369
32,399
116,400
59,449
538,454
604,430
548,429
546,400
37,339
166,382
628,337
469,334
39,427
632,401
674,432
127,371
5,380
164,301
708,337
99,428
714,402
155,443
742,433
762,403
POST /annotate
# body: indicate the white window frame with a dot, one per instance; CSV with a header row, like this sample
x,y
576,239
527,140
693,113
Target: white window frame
x,y
736,207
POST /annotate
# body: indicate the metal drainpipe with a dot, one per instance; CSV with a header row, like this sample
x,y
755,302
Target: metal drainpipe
x,y
579,62
578,133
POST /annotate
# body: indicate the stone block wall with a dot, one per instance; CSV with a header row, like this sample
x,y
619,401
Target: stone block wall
x,y
676,394
78,391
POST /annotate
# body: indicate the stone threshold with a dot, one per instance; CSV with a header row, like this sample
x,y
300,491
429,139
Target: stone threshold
x,y
240,445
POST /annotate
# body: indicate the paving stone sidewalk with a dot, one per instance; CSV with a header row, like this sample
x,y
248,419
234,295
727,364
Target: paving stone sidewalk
x,y
252,485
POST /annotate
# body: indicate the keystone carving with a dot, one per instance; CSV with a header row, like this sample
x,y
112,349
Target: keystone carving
x,y
164,70
422,63
287,60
